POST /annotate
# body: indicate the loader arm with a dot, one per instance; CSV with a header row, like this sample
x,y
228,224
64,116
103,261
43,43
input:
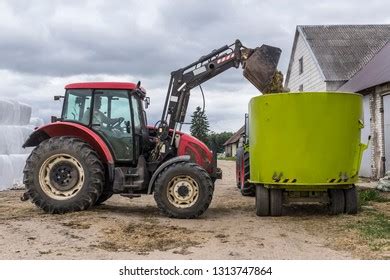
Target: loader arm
x,y
259,71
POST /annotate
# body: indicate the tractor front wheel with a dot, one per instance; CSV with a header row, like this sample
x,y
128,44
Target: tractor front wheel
x,y
63,174
183,190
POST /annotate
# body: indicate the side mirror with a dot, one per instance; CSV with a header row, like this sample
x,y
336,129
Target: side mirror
x,y
147,102
58,97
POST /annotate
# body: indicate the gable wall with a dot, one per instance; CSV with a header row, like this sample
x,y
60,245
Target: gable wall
x,y
311,78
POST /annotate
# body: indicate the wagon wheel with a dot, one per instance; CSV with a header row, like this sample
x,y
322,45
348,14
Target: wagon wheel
x,y
276,202
337,201
351,201
262,201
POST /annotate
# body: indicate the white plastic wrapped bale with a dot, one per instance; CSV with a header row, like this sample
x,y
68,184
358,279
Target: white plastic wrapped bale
x,y
14,113
15,128
12,138
36,122
11,170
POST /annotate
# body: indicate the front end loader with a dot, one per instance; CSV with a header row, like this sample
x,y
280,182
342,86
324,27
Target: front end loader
x,y
101,144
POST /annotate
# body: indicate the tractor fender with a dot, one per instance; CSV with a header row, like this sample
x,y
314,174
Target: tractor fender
x,y
169,162
58,129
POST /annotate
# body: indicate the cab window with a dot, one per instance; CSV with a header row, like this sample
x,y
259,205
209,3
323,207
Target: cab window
x,y
135,103
111,118
77,105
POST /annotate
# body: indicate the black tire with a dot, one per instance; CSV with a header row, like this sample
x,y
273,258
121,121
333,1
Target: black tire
x,y
247,189
106,194
87,172
196,176
262,201
337,202
351,201
276,202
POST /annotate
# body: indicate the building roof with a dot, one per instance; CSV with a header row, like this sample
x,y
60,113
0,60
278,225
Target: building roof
x,y
375,72
235,137
340,51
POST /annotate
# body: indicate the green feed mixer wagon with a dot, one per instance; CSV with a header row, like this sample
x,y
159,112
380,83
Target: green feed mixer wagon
x,y
302,147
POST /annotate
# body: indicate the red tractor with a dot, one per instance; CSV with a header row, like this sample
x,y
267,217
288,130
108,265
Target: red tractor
x,y
101,144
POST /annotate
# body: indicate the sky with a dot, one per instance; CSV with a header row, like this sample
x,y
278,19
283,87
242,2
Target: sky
x,y
45,45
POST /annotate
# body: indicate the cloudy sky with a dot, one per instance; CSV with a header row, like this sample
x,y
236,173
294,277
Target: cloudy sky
x,y
47,44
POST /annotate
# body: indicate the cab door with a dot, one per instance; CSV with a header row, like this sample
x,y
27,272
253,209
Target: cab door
x,y
111,118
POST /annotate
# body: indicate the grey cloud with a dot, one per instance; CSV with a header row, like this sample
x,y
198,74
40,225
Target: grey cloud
x,y
104,39
46,44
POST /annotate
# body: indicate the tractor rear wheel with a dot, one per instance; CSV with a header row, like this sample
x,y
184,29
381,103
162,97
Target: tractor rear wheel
x,y
63,174
106,194
262,201
337,201
183,190
351,202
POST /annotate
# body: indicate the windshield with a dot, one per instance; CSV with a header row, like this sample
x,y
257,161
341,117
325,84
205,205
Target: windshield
x,y
77,105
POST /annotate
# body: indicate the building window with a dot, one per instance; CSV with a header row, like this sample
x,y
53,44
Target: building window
x,y
301,65
301,87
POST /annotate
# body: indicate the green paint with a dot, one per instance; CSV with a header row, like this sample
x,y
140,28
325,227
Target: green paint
x,y
312,137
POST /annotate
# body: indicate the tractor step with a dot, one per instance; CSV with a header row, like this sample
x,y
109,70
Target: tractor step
x,y
130,179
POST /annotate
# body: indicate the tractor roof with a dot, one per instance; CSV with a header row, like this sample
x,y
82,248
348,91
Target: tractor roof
x,y
101,85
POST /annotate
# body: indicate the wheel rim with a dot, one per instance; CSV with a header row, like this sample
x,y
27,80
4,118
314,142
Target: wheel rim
x,y
183,191
61,176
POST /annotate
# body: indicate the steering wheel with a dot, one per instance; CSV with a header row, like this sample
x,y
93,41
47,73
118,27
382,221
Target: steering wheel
x,y
117,124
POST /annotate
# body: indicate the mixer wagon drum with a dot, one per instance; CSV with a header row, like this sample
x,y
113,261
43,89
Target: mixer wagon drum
x,y
305,145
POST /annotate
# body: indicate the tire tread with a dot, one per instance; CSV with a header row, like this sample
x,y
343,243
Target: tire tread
x,y
93,188
205,181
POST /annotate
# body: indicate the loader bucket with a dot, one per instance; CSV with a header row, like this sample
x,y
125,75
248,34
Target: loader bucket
x,y
260,67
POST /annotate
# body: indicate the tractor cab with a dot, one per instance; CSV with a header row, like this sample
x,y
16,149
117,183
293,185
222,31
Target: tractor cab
x,y
112,110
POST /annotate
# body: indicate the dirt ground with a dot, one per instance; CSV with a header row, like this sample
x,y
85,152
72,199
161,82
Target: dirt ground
x,y
134,229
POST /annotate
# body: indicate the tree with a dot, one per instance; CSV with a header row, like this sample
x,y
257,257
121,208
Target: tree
x,y
199,125
216,140
276,84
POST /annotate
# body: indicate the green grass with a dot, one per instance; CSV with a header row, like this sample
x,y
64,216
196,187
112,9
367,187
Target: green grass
x,y
373,226
377,226
365,196
375,229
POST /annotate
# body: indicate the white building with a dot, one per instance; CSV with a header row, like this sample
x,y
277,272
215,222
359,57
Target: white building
x,y
349,58
231,144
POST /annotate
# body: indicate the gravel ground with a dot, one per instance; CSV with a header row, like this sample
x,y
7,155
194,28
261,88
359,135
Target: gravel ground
x,y
134,229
